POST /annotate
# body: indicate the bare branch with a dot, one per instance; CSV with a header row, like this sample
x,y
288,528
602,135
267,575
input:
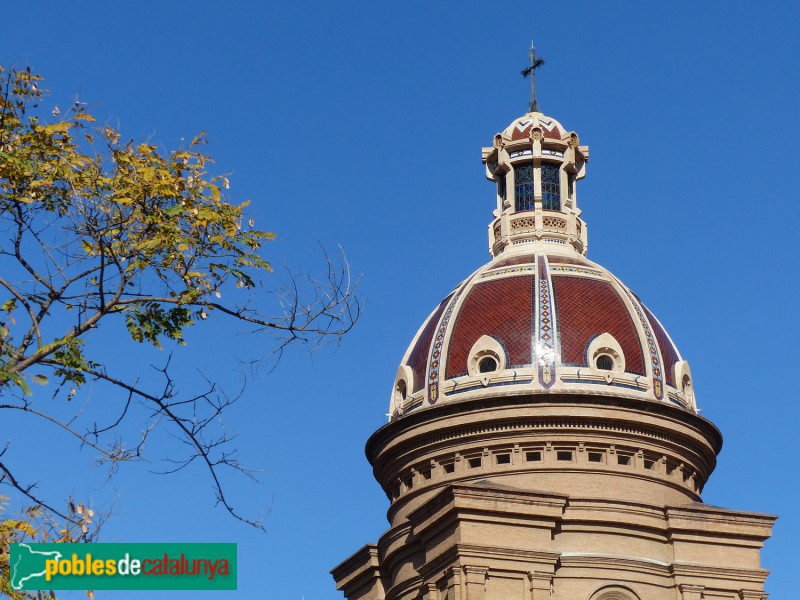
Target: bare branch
x,y
7,478
65,426
34,319
192,433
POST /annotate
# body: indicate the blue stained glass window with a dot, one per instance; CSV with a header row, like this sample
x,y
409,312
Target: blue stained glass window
x,y
551,189
523,187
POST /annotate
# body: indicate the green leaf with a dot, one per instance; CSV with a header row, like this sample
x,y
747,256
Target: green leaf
x,y
17,380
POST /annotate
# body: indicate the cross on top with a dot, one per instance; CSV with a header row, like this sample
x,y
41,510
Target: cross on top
x,y
536,62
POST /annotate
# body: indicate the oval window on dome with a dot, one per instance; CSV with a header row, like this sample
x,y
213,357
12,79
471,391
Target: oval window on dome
x,y
604,362
487,364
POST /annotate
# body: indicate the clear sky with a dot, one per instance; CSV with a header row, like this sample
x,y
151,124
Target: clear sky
x,y
361,124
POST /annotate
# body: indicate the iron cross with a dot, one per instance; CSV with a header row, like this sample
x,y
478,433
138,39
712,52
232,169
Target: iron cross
x,y
536,62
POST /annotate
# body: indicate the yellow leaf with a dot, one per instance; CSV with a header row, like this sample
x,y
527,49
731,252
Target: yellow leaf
x,y
62,127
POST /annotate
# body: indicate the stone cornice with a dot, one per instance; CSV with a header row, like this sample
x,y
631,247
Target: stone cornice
x,y
365,563
385,434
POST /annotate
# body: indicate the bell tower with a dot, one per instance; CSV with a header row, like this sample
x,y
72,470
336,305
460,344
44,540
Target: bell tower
x,y
544,441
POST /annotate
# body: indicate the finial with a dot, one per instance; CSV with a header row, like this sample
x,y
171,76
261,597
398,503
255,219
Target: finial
x,y
536,62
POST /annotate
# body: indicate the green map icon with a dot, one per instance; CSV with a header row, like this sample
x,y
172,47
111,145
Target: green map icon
x,y
27,564
117,566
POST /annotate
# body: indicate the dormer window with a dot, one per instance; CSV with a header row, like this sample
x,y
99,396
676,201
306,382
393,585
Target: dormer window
x,y
551,188
523,187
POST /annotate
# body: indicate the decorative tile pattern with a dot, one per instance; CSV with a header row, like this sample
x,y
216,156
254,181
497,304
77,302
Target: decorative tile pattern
x,y
566,260
668,351
544,353
418,356
435,358
500,309
575,270
655,357
510,271
550,129
587,308
521,129
524,259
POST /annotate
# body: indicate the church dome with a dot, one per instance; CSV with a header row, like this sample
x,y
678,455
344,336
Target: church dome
x,y
541,322
540,317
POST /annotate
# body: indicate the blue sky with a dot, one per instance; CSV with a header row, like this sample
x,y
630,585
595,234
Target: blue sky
x,y
361,124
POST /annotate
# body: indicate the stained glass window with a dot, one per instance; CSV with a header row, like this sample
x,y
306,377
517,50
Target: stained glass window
x,y
523,187
551,192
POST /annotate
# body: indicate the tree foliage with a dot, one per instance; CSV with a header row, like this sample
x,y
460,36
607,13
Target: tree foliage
x,y
95,229
37,525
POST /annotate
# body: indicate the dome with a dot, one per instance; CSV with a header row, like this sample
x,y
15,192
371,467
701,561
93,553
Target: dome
x,y
548,321
540,317
522,127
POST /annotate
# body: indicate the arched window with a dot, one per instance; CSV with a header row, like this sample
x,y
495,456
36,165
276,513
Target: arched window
x,y
551,187
523,187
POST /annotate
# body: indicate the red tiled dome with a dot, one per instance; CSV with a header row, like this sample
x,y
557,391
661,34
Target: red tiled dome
x,y
544,319
521,128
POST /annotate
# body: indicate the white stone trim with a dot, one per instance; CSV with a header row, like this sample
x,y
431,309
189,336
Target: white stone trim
x,y
403,382
682,371
486,346
606,345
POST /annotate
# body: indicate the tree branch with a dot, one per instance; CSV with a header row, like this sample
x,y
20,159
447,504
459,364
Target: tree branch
x,y
34,320
201,450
